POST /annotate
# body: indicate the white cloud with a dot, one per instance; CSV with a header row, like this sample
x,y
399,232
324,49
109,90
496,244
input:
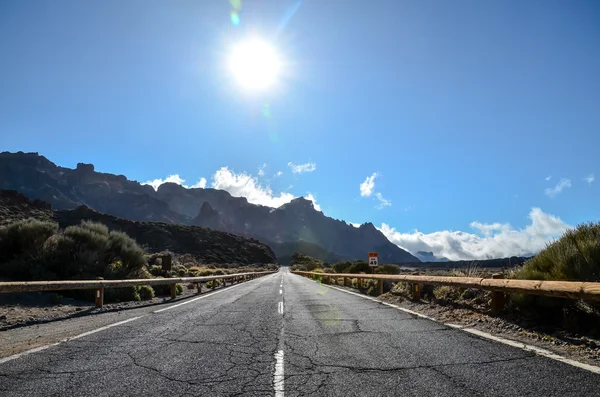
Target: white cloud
x,y
261,169
200,184
312,198
175,178
590,179
382,202
496,240
279,173
244,185
366,188
548,177
300,168
560,186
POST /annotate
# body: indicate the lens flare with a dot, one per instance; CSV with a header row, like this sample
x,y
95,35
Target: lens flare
x,y
235,18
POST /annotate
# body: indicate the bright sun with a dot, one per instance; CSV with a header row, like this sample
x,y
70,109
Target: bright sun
x,y
254,64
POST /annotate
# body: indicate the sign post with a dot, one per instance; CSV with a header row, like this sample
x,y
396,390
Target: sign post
x,y
373,260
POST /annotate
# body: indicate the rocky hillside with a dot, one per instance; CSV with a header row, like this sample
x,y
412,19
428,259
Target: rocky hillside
x,y
283,227
208,246
66,188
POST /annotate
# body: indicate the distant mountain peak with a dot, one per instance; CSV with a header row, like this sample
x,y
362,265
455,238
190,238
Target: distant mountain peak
x,y
295,221
299,203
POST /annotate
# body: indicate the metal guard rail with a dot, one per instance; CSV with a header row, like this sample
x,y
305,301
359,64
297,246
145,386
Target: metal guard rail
x,y
99,285
589,291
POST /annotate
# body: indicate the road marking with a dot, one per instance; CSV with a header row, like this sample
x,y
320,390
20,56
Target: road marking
x,y
537,350
529,348
195,299
38,349
102,328
278,375
280,291
280,307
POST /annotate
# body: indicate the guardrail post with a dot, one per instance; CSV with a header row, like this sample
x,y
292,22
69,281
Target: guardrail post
x,y
346,282
380,287
214,284
199,287
99,295
497,296
173,289
414,289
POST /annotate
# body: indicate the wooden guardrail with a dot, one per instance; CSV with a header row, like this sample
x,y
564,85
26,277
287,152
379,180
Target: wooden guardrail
x,y
498,285
99,284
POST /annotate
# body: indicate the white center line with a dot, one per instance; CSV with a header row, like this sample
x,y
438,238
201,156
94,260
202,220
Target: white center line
x,y
280,307
278,378
281,291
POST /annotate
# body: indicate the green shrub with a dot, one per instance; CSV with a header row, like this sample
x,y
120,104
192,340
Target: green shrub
x,y
360,267
446,293
156,271
179,289
124,248
21,249
180,270
574,257
215,283
342,267
388,269
146,292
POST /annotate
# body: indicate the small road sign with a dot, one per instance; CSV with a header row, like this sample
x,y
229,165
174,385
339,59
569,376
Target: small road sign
x,y
373,259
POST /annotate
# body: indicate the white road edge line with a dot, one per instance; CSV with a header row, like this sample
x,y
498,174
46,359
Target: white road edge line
x,y
38,349
200,297
102,328
537,350
278,375
529,348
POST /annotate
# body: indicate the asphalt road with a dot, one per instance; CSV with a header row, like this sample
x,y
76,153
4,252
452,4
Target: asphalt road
x,y
284,335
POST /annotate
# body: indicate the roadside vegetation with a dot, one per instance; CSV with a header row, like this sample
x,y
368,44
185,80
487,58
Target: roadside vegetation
x,y
39,250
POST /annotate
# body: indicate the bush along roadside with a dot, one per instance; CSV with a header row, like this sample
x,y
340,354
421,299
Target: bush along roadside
x,y
40,250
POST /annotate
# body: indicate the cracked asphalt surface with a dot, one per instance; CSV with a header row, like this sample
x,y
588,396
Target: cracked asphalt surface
x,y
334,344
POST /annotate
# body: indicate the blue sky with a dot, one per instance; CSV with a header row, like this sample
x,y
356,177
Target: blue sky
x,y
461,111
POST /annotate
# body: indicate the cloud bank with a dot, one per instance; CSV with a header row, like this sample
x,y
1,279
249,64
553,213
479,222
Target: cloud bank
x,y
495,240
175,178
244,185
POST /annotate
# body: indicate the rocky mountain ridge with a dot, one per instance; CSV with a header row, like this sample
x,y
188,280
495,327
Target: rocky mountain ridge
x,y
283,227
